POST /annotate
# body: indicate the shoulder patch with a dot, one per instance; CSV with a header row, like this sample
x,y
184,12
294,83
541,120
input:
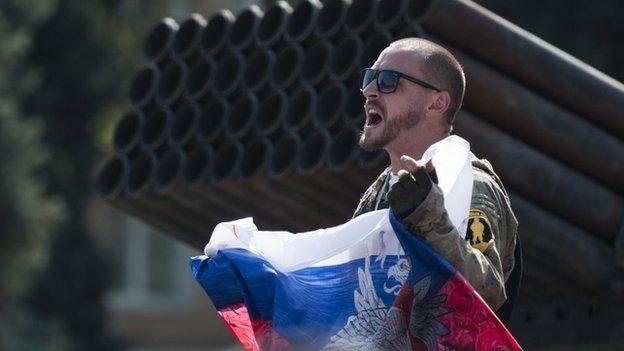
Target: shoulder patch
x,y
479,233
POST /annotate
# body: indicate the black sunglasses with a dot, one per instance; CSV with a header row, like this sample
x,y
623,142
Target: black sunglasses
x,y
388,80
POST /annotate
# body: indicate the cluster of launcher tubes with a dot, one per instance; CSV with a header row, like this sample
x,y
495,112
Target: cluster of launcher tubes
x,y
259,114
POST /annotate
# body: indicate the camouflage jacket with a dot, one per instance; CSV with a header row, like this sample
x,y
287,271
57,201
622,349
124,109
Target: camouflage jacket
x,y
486,257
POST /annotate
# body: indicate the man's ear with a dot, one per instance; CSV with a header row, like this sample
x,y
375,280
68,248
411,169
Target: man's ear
x,y
440,104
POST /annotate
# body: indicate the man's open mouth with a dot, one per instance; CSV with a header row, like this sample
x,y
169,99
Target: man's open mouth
x,y
373,118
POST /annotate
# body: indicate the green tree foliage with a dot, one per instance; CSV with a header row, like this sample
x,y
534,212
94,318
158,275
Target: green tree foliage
x,y
86,50
28,214
62,64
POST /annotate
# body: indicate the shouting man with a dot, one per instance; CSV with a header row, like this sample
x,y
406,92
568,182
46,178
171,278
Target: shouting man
x,y
413,92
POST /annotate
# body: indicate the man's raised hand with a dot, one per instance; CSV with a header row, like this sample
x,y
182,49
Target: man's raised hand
x,y
412,188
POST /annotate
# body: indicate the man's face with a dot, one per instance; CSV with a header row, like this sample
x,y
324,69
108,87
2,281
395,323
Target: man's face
x,y
391,116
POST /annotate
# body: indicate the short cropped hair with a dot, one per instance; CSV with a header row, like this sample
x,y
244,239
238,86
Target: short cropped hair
x,y
441,69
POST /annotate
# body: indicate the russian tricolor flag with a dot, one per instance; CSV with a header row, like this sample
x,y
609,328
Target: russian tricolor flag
x,y
368,284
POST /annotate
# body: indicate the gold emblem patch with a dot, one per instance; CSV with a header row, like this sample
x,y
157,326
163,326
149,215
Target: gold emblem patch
x,y
479,232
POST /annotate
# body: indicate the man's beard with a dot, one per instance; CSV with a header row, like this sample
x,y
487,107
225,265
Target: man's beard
x,y
391,130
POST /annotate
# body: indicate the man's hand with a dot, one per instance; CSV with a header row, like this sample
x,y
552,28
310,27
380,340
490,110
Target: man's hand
x,y
412,187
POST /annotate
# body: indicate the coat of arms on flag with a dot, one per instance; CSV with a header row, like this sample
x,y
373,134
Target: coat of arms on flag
x,y
368,284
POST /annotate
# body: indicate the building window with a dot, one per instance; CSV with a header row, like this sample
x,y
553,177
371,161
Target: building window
x,y
150,269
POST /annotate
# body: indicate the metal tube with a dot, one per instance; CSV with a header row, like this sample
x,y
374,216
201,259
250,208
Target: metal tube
x,y
272,29
187,39
177,207
141,173
140,186
530,290
356,180
360,17
343,150
230,73
244,28
111,175
242,117
345,63
171,85
197,186
390,14
302,22
343,194
288,65
155,133
247,202
321,210
328,204
226,165
183,131
200,80
215,34
271,113
142,93
552,284
162,221
169,182
301,110
259,71
198,164
330,104
283,203
282,164
372,159
312,153
111,184
542,123
531,61
373,46
169,172
212,198
359,178
157,47
195,179
255,158
354,108
316,62
212,119
331,19
411,30
284,154
545,181
230,200
619,249
570,252
127,135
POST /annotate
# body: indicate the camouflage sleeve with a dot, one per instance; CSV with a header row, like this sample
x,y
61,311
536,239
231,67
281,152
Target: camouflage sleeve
x,y
478,257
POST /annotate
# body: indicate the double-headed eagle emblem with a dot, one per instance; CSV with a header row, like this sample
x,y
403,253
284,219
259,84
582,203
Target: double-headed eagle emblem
x,y
377,327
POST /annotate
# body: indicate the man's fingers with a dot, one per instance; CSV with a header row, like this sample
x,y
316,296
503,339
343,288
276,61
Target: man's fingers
x,y
411,165
408,163
429,166
402,173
